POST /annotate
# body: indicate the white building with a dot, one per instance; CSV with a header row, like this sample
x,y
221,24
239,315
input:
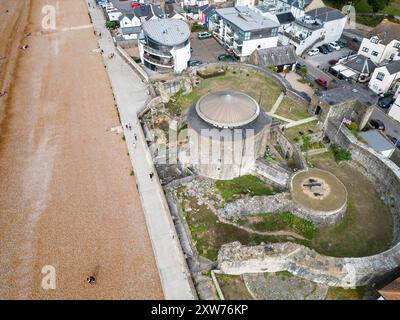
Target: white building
x,y
385,78
242,30
394,110
383,43
317,27
164,45
247,3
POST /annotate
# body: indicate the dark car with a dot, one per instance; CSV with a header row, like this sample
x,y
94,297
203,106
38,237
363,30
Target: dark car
x,y
395,141
328,47
226,58
377,124
299,65
323,50
194,63
332,62
386,102
322,82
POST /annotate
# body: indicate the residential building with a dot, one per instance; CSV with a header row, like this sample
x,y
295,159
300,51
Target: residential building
x,y
298,7
205,14
164,45
394,110
282,57
385,78
247,3
358,68
382,43
319,26
242,30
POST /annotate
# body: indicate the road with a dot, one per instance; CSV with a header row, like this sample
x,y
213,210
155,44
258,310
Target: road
x,y
131,96
392,127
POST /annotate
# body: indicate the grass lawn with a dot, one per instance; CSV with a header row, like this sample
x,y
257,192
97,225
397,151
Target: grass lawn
x,y
292,110
368,227
299,131
261,88
247,184
392,8
233,287
337,293
279,221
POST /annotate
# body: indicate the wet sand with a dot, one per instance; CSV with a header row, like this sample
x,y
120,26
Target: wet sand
x,y
66,195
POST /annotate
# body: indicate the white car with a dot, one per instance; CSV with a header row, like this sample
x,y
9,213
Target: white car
x,y
334,45
313,52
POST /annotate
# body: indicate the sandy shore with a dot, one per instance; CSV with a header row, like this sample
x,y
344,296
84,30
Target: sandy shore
x,y
66,195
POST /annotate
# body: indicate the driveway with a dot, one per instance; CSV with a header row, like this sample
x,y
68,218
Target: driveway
x,y
321,60
392,127
206,50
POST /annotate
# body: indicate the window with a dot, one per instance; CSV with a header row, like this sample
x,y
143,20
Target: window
x,y
374,40
247,36
397,45
365,49
274,32
380,76
374,53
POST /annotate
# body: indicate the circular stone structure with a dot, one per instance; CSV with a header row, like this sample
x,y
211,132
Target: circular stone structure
x,y
228,131
319,190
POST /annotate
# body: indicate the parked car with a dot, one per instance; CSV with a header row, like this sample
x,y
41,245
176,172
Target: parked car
x,y
323,50
299,65
194,63
395,141
322,82
203,35
342,43
377,124
313,52
335,45
327,47
226,58
386,102
136,4
332,62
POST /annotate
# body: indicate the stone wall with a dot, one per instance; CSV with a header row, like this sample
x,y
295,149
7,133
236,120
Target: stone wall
x,y
169,88
381,171
289,149
274,174
281,202
234,258
396,157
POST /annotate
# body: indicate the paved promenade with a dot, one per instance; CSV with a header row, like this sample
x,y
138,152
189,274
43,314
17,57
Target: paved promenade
x,y
131,95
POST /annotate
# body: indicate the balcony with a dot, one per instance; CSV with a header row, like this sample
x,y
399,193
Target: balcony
x,y
165,63
156,52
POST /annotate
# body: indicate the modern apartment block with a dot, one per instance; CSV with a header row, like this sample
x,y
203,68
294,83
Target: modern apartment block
x,y
242,30
164,45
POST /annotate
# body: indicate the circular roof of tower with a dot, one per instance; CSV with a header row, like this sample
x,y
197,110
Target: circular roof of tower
x,y
227,109
169,32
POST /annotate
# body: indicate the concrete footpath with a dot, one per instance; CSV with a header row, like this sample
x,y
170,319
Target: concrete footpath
x,y
131,96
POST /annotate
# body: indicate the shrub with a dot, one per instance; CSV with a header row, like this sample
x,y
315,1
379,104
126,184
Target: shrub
x,y
111,25
340,154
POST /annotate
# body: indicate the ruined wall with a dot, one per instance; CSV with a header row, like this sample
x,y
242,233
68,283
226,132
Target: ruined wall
x,y
282,203
274,174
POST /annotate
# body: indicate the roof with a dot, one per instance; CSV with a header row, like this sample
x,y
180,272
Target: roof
x,y
130,16
285,17
299,4
227,109
386,31
391,291
169,32
130,30
209,11
277,56
147,11
393,67
246,19
377,141
325,14
361,64
349,92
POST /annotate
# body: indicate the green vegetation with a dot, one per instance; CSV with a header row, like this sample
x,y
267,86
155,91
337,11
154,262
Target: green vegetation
x,y
123,138
233,287
282,274
367,228
337,293
111,25
308,145
303,71
197,27
262,89
279,221
247,184
353,127
292,110
340,154
295,134
132,173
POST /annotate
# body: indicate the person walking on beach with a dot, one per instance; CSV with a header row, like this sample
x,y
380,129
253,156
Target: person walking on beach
x,y
135,136
91,279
